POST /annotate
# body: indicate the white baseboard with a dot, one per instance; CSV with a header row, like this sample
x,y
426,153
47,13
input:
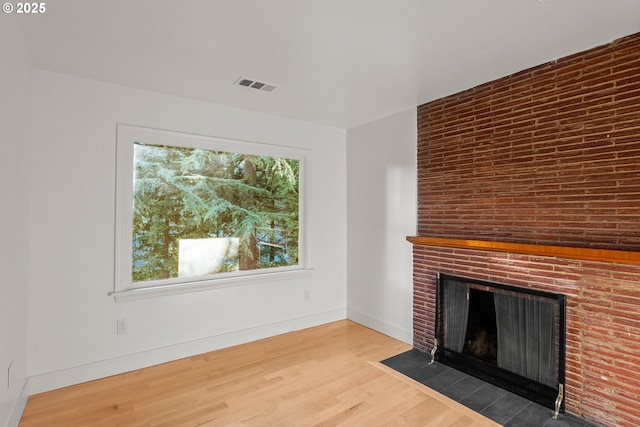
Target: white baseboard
x,y
380,325
79,374
18,408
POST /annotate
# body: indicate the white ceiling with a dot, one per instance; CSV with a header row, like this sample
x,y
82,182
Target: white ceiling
x,y
336,62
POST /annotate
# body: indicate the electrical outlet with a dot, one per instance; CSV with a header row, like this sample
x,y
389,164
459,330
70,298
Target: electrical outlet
x,y
306,294
121,326
10,376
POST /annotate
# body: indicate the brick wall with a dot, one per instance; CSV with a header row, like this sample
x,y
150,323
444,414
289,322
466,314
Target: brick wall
x,y
550,155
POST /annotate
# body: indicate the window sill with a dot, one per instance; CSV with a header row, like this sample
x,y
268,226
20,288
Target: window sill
x,y
207,285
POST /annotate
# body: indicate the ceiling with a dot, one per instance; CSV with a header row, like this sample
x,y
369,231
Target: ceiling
x,y
340,63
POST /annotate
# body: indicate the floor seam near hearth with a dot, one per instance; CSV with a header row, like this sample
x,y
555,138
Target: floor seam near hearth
x,y
457,383
516,414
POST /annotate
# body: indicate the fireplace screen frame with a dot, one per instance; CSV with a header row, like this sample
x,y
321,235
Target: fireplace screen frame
x,y
544,394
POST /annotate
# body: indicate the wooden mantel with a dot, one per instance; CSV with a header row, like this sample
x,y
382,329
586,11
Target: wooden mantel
x,y
590,254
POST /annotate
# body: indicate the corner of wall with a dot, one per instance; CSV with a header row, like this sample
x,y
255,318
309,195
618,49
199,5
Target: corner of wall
x,y
18,408
15,125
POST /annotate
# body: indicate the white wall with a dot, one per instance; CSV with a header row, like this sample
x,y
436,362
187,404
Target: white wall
x,y
381,206
72,320
15,101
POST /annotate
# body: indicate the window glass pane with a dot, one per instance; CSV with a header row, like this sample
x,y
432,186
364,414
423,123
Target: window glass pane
x,y
199,212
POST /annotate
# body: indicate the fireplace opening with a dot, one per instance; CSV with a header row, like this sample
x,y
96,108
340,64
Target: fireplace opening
x,y
508,336
481,339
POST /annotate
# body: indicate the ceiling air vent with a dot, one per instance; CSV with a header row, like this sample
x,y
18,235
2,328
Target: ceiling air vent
x,y
266,87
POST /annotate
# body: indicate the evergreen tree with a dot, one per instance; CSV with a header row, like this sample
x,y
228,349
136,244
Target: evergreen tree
x,y
186,193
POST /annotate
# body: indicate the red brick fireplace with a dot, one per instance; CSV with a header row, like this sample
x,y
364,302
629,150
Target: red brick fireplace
x,y
549,156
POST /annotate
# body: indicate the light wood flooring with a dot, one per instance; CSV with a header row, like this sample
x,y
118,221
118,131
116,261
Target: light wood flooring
x,y
328,375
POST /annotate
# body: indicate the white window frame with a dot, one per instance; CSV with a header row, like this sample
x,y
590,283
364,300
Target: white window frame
x,y
124,288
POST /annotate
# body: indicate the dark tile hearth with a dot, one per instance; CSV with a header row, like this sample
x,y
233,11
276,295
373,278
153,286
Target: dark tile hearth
x,y
503,407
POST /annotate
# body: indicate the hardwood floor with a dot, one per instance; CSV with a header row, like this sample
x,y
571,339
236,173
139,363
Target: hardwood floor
x,y
323,376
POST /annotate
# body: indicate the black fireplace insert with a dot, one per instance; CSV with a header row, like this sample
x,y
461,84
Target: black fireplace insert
x,y
509,336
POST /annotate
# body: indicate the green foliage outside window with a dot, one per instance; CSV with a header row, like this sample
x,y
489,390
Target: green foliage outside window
x,y
191,193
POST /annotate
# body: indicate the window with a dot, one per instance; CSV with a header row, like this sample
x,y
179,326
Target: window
x,y
195,212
